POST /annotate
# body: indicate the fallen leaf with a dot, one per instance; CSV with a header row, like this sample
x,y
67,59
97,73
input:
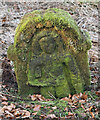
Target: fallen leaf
x,y
4,19
82,101
7,108
34,113
4,103
42,117
52,116
40,97
70,114
12,105
54,107
33,97
26,114
98,92
9,114
75,97
28,106
4,86
82,106
70,103
67,99
37,107
1,111
3,98
84,96
90,108
66,109
73,106
37,97
17,112
92,114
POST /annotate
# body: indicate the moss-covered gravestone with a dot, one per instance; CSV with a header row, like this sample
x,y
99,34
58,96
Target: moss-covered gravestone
x,y
50,54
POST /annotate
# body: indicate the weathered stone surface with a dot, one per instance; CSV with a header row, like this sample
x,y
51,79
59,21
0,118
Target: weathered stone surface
x,y
50,54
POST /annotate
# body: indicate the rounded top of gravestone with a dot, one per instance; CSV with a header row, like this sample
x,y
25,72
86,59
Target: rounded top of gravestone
x,y
48,28
54,18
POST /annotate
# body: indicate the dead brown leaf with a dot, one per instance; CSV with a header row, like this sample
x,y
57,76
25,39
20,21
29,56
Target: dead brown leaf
x,y
37,107
66,109
4,103
3,98
25,114
70,114
54,107
84,96
9,114
67,99
83,106
37,97
7,108
34,113
1,111
70,103
92,114
52,116
33,97
90,108
4,19
4,86
17,112
82,101
98,92
28,106
75,97
42,117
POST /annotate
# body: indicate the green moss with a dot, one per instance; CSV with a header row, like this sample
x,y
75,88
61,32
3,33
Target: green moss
x,y
86,42
11,53
62,90
57,17
83,65
48,92
72,74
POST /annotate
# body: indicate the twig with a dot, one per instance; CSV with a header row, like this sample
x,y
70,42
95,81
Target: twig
x,y
46,103
51,95
91,96
7,95
13,96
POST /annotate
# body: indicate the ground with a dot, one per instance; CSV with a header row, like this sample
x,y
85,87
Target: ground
x,y
84,105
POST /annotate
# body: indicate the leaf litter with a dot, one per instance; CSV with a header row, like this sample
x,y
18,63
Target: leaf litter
x,y
78,106
36,106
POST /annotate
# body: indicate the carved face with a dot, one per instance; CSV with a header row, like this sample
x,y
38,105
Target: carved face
x,y
48,44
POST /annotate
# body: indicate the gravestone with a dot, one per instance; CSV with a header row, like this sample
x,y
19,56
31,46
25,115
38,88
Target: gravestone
x,y
50,54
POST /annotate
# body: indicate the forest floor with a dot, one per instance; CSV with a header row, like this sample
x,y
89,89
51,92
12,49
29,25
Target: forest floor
x,y
79,106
